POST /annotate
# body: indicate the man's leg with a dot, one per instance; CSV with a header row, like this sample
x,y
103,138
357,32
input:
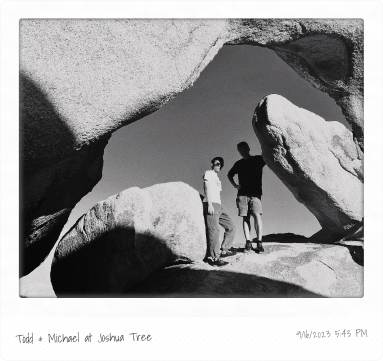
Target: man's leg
x,y
259,227
256,228
256,211
227,223
246,227
212,232
247,232
243,211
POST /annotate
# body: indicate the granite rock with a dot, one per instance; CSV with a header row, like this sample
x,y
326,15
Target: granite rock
x,y
123,239
317,160
82,79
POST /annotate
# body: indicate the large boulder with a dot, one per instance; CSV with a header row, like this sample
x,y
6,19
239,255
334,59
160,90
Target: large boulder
x,y
123,239
317,160
82,79
85,78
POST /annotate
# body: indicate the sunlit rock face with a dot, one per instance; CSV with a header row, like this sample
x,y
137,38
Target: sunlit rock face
x,y
82,79
93,76
123,239
327,53
291,269
317,160
97,75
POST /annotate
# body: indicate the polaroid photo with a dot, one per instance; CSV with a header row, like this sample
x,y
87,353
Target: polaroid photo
x,y
185,180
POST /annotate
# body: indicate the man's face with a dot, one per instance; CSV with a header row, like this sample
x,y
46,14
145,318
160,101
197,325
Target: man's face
x,y
243,150
216,166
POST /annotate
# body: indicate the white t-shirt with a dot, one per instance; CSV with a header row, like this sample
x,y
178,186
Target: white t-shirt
x,y
215,186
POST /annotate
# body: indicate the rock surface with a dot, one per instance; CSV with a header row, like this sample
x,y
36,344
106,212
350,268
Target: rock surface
x,y
123,239
247,275
328,53
82,79
284,270
86,78
49,195
317,160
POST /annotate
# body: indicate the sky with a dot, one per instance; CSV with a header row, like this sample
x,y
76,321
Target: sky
x,y
177,142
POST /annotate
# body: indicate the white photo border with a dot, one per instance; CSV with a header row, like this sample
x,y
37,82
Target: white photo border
x,y
13,307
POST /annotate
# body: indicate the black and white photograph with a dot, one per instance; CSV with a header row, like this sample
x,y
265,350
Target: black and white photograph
x,y
191,180
191,158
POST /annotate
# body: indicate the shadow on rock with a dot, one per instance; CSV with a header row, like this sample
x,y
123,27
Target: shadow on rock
x,y
357,254
122,240
53,176
178,281
110,264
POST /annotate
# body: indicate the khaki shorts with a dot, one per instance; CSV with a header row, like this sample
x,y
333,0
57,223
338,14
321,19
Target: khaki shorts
x,y
249,205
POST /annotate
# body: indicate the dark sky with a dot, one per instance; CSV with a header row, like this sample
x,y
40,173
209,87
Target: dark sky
x,y
177,142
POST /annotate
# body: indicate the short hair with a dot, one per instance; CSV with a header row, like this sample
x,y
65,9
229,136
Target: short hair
x,y
243,144
220,159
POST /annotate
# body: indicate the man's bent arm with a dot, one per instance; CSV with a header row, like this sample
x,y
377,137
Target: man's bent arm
x,y
230,176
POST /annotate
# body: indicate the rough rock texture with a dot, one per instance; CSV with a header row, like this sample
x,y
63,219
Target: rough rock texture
x,y
123,239
97,75
355,235
49,195
328,53
284,270
276,273
317,160
82,79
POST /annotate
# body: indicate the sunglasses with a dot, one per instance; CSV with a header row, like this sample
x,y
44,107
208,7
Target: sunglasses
x,y
217,163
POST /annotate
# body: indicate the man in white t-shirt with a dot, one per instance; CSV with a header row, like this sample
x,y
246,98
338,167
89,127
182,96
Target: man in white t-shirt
x,y
215,215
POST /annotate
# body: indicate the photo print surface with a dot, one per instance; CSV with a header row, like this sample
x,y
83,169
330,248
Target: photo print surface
x,y
191,158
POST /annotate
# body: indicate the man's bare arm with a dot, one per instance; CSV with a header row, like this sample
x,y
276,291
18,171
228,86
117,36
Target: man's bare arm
x,y
231,180
210,208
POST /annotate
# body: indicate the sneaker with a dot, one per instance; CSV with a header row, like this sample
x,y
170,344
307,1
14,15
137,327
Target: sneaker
x,y
248,247
218,263
259,248
228,253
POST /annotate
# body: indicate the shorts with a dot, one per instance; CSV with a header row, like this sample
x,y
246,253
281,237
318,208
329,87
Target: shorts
x,y
249,205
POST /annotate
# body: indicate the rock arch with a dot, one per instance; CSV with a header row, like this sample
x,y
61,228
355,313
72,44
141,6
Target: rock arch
x,y
80,80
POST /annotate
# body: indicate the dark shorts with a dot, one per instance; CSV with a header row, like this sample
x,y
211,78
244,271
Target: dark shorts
x,y
249,205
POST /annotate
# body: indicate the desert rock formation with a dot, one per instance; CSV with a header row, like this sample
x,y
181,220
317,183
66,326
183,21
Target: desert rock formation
x,y
49,195
327,53
317,160
123,239
80,80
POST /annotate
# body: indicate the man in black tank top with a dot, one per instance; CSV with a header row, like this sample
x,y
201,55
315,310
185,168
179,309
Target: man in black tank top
x,y
249,171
